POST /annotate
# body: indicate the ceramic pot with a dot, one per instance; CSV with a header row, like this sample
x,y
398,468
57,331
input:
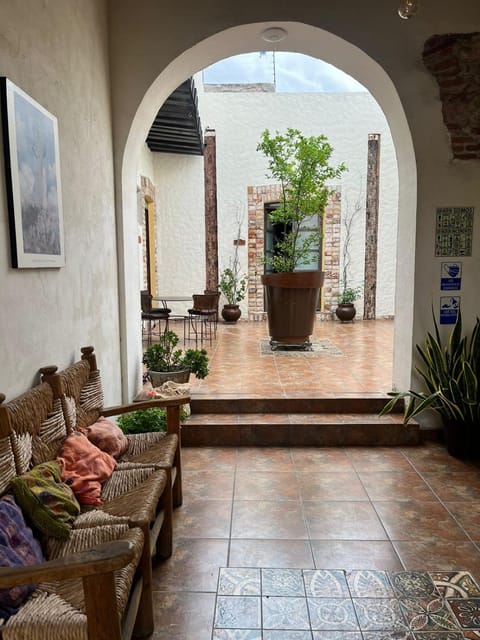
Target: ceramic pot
x,y
346,312
231,312
159,377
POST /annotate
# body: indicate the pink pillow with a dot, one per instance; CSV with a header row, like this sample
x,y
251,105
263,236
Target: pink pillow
x,y
84,468
107,436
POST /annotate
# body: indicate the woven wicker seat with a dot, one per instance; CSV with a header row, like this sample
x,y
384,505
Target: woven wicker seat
x,y
82,383
79,576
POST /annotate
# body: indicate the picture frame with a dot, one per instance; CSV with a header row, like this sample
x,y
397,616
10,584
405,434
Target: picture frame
x,y
33,187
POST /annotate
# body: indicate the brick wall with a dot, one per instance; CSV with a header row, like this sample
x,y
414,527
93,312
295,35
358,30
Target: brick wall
x,y
258,197
454,60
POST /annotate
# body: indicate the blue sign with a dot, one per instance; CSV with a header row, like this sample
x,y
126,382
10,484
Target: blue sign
x,y
449,306
451,276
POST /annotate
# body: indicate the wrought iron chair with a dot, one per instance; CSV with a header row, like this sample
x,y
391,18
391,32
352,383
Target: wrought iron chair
x,y
204,315
151,316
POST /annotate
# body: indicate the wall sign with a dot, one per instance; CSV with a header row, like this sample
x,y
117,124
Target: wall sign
x,y
451,276
449,306
454,231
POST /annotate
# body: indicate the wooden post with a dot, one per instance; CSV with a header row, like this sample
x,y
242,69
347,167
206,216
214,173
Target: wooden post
x,y
371,227
211,226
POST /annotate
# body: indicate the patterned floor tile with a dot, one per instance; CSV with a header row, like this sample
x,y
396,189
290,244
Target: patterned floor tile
x,y
412,584
332,614
237,612
239,582
466,611
237,634
275,634
285,613
455,584
377,614
429,614
369,584
337,635
397,634
324,583
282,582
439,635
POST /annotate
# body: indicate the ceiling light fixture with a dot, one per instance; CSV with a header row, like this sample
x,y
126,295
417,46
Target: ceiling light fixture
x,y
274,34
407,9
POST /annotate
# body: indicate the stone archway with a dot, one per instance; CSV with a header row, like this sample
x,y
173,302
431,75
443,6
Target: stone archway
x,y
302,38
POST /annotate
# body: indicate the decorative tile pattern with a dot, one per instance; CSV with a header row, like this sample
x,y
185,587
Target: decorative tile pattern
x,y
336,614
282,582
369,584
377,614
430,614
466,611
285,613
239,582
311,604
324,583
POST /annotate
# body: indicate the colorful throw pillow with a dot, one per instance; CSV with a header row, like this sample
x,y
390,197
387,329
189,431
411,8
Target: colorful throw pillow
x,y
18,548
84,467
47,503
107,436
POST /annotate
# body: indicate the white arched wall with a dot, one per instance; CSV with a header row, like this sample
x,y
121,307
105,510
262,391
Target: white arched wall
x,y
301,38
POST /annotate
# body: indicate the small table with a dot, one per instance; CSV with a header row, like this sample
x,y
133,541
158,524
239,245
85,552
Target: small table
x,y
164,299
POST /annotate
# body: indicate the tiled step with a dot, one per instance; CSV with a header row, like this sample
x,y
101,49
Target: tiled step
x,y
235,404
297,429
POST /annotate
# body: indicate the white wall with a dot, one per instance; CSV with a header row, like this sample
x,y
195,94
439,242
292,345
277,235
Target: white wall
x,y
57,53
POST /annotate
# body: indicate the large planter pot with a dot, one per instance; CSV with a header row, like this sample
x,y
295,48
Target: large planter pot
x,y
346,311
159,377
462,439
231,312
292,300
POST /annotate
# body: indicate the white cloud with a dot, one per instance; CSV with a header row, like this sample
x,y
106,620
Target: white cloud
x,y
293,73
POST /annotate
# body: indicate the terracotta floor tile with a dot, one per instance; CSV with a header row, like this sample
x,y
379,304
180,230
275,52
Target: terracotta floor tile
x,y
183,616
193,566
270,485
264,459
343,520
203,519
455,486
467,514
205,485
439,555
415,520
395,485
271,553
355,554
324,485
378,459
320,459
267,519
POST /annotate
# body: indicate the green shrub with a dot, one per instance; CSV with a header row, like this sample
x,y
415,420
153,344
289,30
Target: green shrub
x,y
145,420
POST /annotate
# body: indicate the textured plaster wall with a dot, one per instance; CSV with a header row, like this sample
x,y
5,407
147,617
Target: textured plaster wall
x,y
57,53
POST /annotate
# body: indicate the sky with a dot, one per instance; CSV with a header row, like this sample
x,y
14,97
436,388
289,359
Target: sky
x,y
291,72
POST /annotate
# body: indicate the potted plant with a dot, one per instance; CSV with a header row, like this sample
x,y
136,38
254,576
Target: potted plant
x,y
165,362
301,165
234,288
451,375
345,310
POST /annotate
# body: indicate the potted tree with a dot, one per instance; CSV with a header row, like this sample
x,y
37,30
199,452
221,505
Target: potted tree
x,y
234,288
451,375
301,165
165,362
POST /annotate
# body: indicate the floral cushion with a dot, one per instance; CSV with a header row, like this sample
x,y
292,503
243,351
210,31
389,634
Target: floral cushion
x,y
107,436
18,548
47,503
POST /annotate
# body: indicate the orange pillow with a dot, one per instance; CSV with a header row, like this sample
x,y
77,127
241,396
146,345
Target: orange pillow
x,y
84,467
107,436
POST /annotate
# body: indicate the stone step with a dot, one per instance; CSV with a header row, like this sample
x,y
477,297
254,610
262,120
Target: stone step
x,y
298,429
237,404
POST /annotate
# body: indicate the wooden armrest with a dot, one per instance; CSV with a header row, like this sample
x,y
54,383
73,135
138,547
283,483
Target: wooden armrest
x,y
103,558
145,404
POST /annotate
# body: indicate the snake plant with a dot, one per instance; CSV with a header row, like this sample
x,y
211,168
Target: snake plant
x,y
451,375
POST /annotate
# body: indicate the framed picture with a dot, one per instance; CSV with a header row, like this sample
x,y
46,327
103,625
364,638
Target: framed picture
x,y
32,167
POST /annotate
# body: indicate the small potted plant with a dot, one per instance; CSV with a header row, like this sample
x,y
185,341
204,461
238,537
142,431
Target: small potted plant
x,y
345,310
234,288
165,362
